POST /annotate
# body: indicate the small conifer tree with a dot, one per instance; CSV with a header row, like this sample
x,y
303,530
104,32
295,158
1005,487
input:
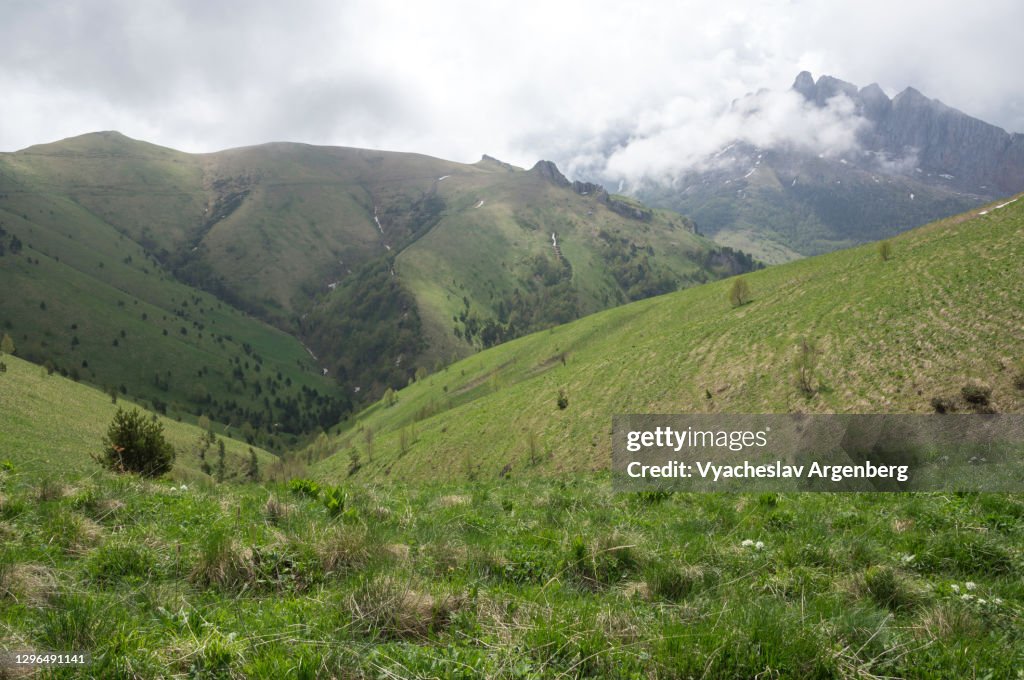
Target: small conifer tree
x,y
253,471
135,443
221,463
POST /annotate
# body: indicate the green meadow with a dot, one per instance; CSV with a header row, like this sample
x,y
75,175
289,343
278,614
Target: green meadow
x,y
466,526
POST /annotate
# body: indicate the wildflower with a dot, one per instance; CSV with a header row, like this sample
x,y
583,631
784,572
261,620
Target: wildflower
x,y
907,559
997,600
747,543
966,597
955,588
971,585
759,545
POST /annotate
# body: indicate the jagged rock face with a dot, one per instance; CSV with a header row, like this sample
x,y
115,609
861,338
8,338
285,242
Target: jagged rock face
x,y
969,154
915,160
549,171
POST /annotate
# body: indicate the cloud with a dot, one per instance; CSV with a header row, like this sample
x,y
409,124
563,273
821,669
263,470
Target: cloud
x,y
570,81
688,134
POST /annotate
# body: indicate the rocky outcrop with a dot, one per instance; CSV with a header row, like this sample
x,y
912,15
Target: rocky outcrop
x,y
630,210
550,172
588,189
502,164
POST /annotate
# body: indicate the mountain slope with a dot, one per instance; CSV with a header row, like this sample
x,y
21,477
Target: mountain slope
x,y
101,308
381,263
913,160
53,426
944,311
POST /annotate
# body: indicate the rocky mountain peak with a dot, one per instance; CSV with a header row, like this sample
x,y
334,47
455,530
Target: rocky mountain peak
x,y
824,89
910,95
550,172
804,84
873,102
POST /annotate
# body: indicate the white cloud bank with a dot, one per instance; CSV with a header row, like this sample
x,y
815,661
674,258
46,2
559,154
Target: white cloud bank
x,y
687,134
520,81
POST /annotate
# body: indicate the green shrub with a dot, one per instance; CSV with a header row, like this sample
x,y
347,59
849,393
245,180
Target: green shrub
x,y
135,443
885,250
739,293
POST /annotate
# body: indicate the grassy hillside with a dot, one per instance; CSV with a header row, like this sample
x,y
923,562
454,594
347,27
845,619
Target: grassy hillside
x,y
490,270
102,309
943,312
381,263
51,426
512,578
535,576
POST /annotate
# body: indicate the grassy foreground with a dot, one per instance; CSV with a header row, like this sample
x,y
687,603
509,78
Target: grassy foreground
x,y
509,579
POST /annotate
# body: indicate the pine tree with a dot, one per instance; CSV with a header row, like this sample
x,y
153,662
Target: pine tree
x,y
7,345
134,443
253,471
221,454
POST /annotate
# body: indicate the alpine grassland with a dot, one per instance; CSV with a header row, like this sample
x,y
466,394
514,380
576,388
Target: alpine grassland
x,y
466,526
943,314
262,285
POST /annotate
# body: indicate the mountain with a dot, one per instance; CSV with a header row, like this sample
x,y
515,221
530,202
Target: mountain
x,y
942,313
272,286
911,160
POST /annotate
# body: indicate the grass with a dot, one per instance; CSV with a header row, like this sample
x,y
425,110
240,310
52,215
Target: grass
x,y
512,579
480,537
943,313
119,236
484,253
52,426
101,308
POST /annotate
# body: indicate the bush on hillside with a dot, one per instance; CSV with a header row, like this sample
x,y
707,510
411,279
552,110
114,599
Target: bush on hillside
x,y
885,250
739,293
135,443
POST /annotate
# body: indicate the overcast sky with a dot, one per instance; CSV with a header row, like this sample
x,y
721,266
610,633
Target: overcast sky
x,y
518,80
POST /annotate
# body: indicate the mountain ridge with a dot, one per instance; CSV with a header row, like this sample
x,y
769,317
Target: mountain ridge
x,y
909,160
455,257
